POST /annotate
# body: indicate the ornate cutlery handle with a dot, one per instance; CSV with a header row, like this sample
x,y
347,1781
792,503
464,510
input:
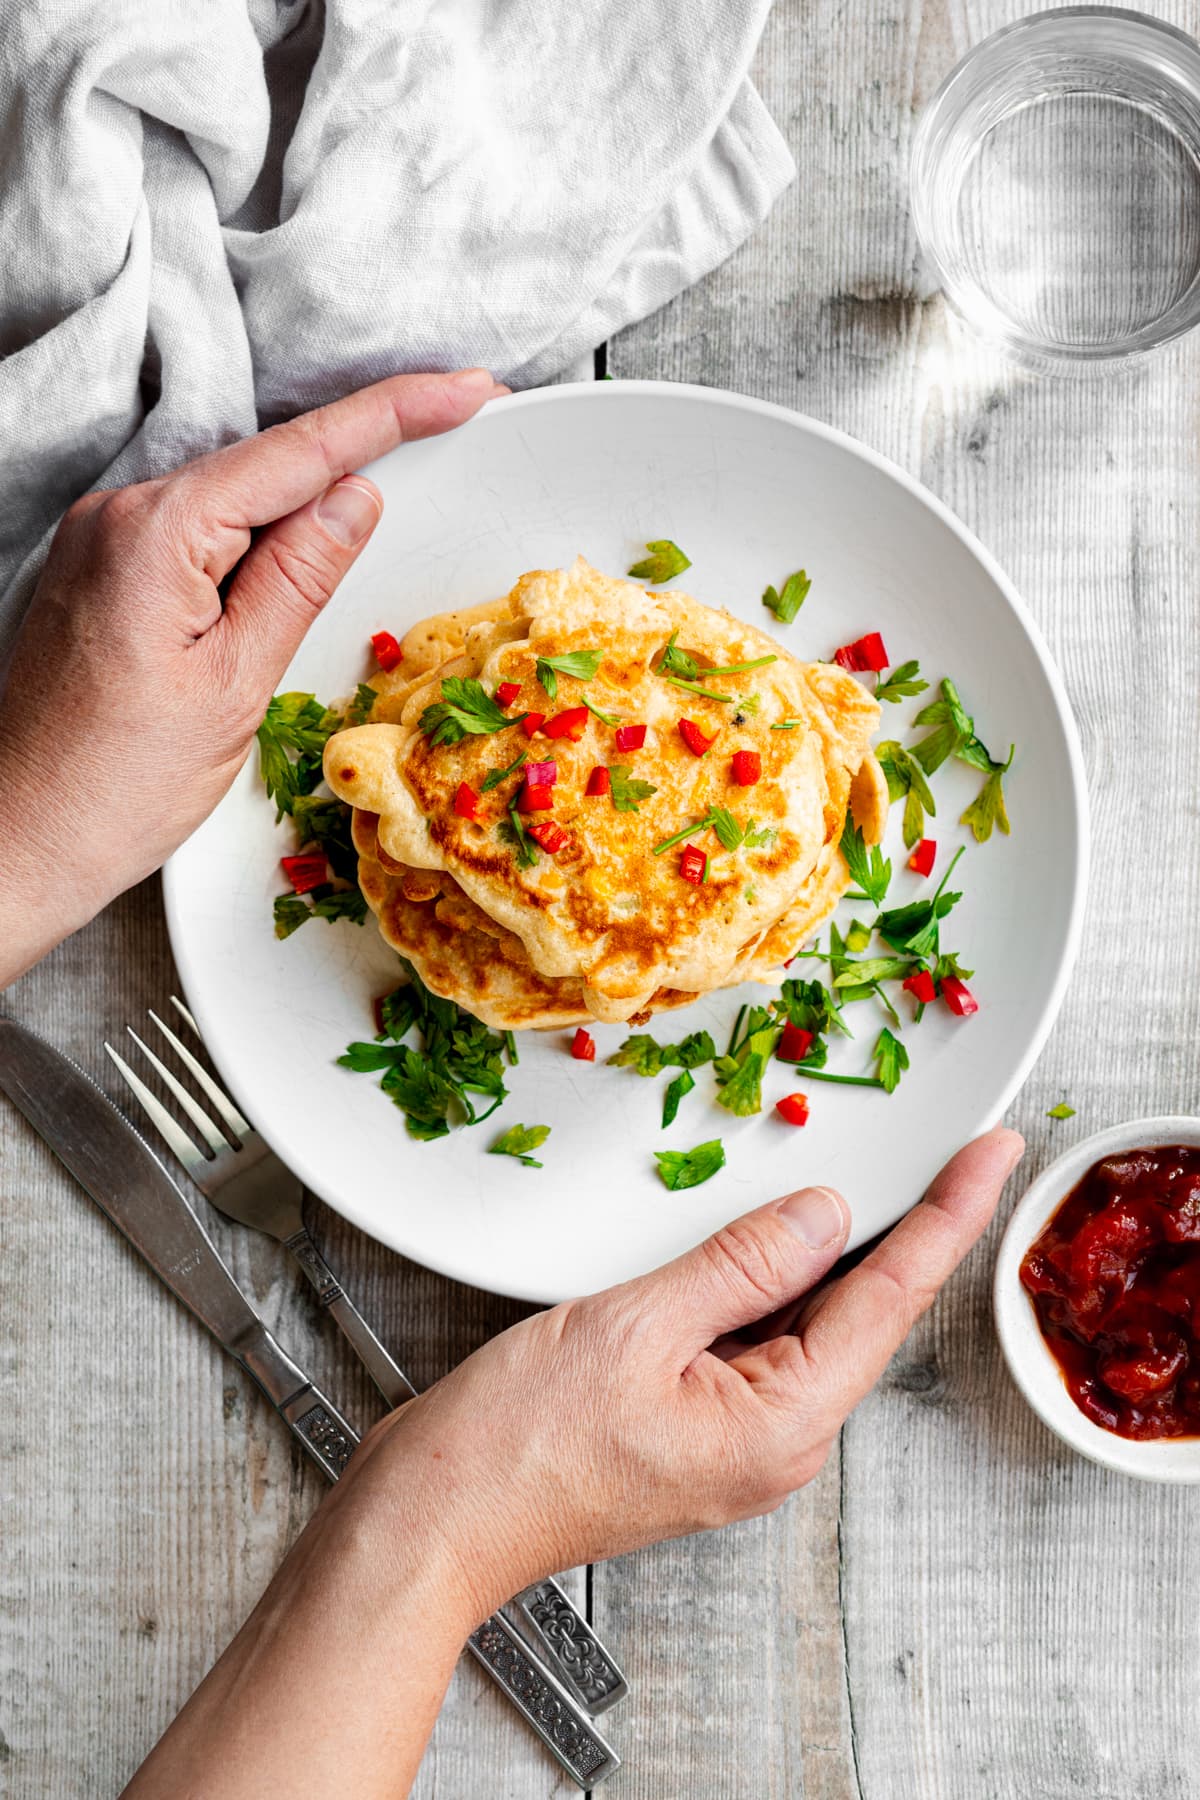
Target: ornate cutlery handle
x,y
380,1365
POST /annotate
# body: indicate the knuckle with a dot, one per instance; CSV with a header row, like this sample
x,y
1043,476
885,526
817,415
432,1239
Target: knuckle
x,y
304,567
744,1256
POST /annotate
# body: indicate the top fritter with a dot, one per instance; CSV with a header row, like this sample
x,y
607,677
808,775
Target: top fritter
x,y
636,785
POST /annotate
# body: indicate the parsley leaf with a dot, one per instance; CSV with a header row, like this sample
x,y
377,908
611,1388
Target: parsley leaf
x,y
988,808
580,663
1061,1111
494,777
740,1074
326,823
519,1140
645,1056
891,1058
604,718
953,728
906,776
871,969
758,837
914,928
729,832
698,687
949,965
626,793
787,603
688,1168
678,662
433,1085
683,1084
901,683
665,561
868,869
294,726
858,936
512,831
291,911
465,709
359,709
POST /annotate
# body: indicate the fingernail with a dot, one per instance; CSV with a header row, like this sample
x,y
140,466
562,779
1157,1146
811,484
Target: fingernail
x,y
816,1215
473,378
349,511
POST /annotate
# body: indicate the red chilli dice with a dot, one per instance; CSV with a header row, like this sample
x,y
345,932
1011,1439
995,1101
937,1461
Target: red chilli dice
x,y
921,987
387,651
693,864
794,1043
535,797
630,737
548,835
793,1108
599,782
532,723
569,724
694,738
922,859
305,872
583,1046
507,692
866,653
747,767
466,802
958,996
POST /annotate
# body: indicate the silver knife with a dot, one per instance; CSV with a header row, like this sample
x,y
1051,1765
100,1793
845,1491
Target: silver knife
x,y
130,1186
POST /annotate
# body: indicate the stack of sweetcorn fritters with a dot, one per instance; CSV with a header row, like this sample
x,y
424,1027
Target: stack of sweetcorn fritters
x,y
705,856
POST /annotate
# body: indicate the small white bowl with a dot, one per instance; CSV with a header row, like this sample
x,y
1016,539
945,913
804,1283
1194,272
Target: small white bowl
x,y
1033,1367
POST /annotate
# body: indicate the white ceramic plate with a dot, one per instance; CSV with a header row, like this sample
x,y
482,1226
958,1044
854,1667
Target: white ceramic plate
x,y
751,492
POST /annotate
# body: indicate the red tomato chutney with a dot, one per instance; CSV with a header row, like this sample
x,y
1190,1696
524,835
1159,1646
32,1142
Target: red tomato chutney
x,y
1115,1281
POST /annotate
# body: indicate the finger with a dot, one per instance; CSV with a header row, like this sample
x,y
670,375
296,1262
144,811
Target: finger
x,y
749,1267
266,477
850,1337
290,572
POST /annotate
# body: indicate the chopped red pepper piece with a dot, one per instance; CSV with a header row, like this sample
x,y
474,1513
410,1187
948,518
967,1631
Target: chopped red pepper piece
x,y
535,797
747,767
921,987
693,864
793,1108
583,1046
568,724
630,737
541,774
958,997
507,692
794,1043
694,738
922,859
532,723
306,872
865,653
466,802
598,782
550,836
387,651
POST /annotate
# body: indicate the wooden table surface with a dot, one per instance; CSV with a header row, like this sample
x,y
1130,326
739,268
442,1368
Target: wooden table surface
x,y
957,1608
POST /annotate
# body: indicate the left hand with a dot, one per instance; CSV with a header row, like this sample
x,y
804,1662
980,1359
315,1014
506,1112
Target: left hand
x,y
135,689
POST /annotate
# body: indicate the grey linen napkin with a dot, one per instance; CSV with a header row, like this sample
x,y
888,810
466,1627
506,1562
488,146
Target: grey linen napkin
x,y
216,213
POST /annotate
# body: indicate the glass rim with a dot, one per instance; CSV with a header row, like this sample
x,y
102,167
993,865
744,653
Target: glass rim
x,y
988,320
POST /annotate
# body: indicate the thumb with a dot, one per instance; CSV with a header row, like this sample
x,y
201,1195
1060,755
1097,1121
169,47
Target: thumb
x,y
294,566
752,1266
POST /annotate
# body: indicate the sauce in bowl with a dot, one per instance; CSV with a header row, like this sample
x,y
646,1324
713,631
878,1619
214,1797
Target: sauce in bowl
x,y
1115,1282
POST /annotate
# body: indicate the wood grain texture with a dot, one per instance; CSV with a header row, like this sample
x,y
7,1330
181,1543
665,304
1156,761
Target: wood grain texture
x,y
1014,1622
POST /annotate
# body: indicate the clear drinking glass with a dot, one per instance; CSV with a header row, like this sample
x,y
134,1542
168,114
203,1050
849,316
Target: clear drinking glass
x,y
1056,186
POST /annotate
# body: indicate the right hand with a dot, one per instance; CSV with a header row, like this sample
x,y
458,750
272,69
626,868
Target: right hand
x,y
701,1393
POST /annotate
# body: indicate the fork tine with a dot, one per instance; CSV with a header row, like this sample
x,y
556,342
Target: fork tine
x,y
174,1135
195,1112
186,1016
236,1122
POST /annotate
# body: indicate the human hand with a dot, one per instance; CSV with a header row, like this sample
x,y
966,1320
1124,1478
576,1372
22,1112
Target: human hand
x,y
134,692
704,1392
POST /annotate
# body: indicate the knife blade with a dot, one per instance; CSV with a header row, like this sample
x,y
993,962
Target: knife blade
x,y
113,1163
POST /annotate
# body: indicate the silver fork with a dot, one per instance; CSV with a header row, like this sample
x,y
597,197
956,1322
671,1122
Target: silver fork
x,y
245,1180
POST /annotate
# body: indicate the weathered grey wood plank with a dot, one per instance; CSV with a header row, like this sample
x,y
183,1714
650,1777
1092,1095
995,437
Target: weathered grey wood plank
x,y
148,1492
1013,1621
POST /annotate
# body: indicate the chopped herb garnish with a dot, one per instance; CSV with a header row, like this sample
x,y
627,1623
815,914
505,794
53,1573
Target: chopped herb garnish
x,y
949,967
906,776
988,808
901,683
433,1085
495,776
665,561
786,603
1061,1111
953,728
605,718
465,709
758,837
580,663
360,708
683,1084
914,928
679,662
688,1168
291,911
518,1141
871,969
891,1058
788,725
645,1056
294,726
512,831
627,793
868,868
326,823
698,687
858,936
